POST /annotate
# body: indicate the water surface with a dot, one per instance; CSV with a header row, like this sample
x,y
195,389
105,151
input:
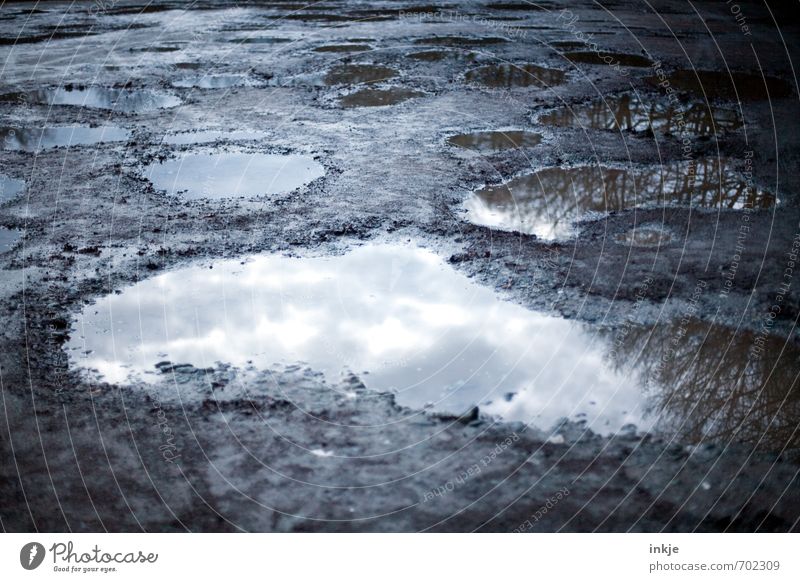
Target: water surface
x,y
36,139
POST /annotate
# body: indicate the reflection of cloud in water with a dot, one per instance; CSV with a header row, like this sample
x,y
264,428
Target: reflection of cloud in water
x,y
625,112
400,314
546,202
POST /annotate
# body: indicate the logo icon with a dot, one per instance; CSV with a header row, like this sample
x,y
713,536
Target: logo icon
x,y
31,555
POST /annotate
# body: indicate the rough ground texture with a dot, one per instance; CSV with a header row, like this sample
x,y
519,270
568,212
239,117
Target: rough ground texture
x,y
85,456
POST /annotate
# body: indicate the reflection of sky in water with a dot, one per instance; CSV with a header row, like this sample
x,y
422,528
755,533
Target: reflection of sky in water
x,y
36,139
547,202
400,314
8,238
221,175
9,187
126,101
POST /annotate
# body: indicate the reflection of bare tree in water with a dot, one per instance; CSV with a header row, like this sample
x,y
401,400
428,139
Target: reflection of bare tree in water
x,y
626,112
508,76
546,202
705,384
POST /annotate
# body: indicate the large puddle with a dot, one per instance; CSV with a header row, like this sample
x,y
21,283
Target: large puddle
x,y
495,141
728,87
122,100
547,202
627,113
229,175
357,74
9,188
509,76
371,97
405,321
37,139
399,317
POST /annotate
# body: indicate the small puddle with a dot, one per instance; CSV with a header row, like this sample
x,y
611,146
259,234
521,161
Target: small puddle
x,y
495,141
627,113
215,81
725,86
37,139
357,74
262,40
370,97
399,317
208,136
8,238
440,55
611,59
122,100
343,48
460,41
547,202
646,235
509,76
10,188
228,175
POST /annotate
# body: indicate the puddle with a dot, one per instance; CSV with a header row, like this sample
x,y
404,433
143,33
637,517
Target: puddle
x,y
400,314
521,6
728,87
627,113
9,187
343,48
646,235
606,58
188,66
208,136
37,139
495,141
547,202
215,81
460,41
378,97
261,40
8,238
509,76
440,55
122,100
227,175
357,74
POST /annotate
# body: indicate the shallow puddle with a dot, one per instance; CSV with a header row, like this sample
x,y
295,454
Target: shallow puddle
x,y
646,235
10,188
440,55
342,48
495,141
370,97
208,136
509,76
547,202
610,59
728,87
215,81
8,238
261,40
228,175
37,139
400,314
626,112
357,74
122,100
460,41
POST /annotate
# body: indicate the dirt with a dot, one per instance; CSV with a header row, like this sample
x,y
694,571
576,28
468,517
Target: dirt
x,y
284,448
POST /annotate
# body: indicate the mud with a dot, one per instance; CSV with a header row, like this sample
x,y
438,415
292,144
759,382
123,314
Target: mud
x,y
704,317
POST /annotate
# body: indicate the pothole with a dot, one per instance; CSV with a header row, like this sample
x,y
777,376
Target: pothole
x,y
9,238
465,41
372,97
342,48
400,318
230,175
433,56
495,141
10,188
628,113
122,100
509,76
546,203
37,139
208,136
608,58
357,74
726,86
216,81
